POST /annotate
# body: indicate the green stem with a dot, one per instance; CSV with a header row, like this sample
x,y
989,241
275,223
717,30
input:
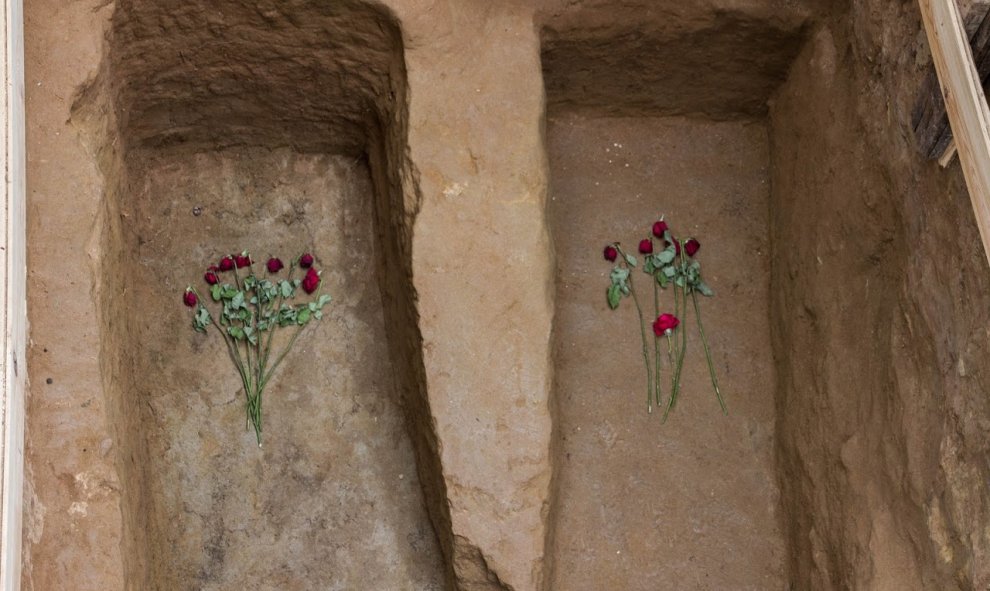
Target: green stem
x,y
656,343
682,309
708,353
281,356
646,354
271,328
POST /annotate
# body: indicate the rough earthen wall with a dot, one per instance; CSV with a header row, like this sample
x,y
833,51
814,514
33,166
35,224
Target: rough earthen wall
x,y
879,309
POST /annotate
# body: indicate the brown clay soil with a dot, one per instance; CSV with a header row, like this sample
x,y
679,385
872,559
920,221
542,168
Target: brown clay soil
x,y
642,505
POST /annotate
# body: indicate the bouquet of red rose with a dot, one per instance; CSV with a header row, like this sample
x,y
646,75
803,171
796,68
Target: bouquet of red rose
x,y
673,267
251,308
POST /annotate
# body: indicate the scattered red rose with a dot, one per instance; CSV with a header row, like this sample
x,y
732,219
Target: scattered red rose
x,y
691,247
226,264
645,246
211,278
306,261
311,281
659,228
664,323
611,253
274,265
189,298
242,261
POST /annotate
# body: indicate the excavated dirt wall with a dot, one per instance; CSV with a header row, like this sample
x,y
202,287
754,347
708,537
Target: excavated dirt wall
x,y
880,307
424,121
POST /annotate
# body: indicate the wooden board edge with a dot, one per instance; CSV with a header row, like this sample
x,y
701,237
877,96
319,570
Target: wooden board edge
x,y
965,103
14,310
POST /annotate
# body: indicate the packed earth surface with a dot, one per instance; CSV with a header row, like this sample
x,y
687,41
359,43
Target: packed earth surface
x,y
469,414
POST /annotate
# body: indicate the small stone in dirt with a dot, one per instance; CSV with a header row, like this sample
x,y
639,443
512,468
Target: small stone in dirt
x,y
49,381
197,211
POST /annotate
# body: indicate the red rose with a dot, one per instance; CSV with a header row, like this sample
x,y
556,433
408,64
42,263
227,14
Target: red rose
x,y
275,265
665,323
611,253
677,246
306,261
242,261
311,281
645,246
226,264
189,298
659,228
691,247
211,278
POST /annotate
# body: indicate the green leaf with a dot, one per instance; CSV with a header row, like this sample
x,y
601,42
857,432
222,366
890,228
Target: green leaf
x,y
236,332
286,316
238,300
228,291
323,301
249,282
202,319
669,272
303,316
318,314
286,289
665,257
614,296
619,275
703,288
215,292
663,280
631,260
648,267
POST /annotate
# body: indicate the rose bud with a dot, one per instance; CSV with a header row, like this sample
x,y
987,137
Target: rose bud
x,y
226,264
189,298
659,228
211,278
665,324
274,265
611,253
645,246
311,281
242,261
306,261
691,247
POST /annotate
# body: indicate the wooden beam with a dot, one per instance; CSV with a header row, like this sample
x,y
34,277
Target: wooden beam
x,y
13,277
929,119
965,103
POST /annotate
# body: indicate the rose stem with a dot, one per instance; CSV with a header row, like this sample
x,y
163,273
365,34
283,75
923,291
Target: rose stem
x,y
271,329
683,347
646,354
677,314
656,342
281,356
235,356
247,343
708,353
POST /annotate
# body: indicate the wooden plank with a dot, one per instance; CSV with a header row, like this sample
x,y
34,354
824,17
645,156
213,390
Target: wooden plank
x,y
929,120
965,103
13,313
